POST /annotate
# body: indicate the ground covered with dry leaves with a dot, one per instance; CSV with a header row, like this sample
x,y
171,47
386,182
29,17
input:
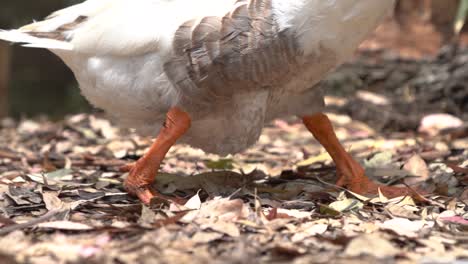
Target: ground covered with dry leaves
x,y
62,201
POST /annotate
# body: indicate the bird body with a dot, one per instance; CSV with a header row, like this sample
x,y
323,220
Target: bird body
x,y
233,65
210,73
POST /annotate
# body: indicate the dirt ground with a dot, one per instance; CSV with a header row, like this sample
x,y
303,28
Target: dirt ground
x,y
62,201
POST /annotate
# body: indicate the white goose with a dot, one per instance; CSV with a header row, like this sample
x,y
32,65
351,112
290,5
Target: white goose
x,y
212,71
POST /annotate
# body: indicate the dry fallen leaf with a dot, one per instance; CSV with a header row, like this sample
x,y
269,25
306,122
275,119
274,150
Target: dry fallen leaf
x,y
309,230
232,222
65,225
417,167
455,220
379,160
223,227
346,205
52,202
206,237
433,124
320,158
294,213
147,217
405,227
373,245
223,209
402,211
194,203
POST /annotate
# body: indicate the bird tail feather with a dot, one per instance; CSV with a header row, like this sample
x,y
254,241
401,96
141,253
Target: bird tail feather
x,y
28,40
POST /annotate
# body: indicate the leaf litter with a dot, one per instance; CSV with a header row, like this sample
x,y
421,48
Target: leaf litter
x,y
62,200
80,213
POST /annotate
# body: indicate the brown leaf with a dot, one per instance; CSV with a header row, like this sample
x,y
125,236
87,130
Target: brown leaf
x,y
273,214
223,227
170,220
416,166
309,230
52,202
223,209
405,227
458,169
373,245
401,211
6,222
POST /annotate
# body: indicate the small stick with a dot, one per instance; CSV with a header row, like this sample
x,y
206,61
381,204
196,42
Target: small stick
x,y
44,218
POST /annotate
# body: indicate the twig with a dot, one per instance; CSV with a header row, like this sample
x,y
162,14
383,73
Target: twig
x,y
330,184
60,163
49,215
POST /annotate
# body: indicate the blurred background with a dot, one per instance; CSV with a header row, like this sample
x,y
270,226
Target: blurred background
x,y
34,81
410,61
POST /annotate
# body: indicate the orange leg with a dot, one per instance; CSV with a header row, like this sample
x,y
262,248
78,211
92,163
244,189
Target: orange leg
x,y
143,172
351,174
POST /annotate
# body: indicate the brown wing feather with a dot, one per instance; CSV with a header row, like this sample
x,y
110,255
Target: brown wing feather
x,y
242,50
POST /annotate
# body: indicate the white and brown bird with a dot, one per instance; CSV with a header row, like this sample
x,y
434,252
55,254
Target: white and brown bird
x,y
210,73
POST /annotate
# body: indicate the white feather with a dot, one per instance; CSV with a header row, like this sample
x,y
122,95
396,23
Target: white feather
x,y
33,42
145,25
118,55
339,25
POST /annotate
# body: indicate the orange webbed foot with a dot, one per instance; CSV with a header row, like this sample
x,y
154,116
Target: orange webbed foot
x,y
361,184
351,173
143,190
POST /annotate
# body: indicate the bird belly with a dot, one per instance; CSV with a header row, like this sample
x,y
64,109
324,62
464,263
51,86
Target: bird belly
x,y
135,91
230,126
